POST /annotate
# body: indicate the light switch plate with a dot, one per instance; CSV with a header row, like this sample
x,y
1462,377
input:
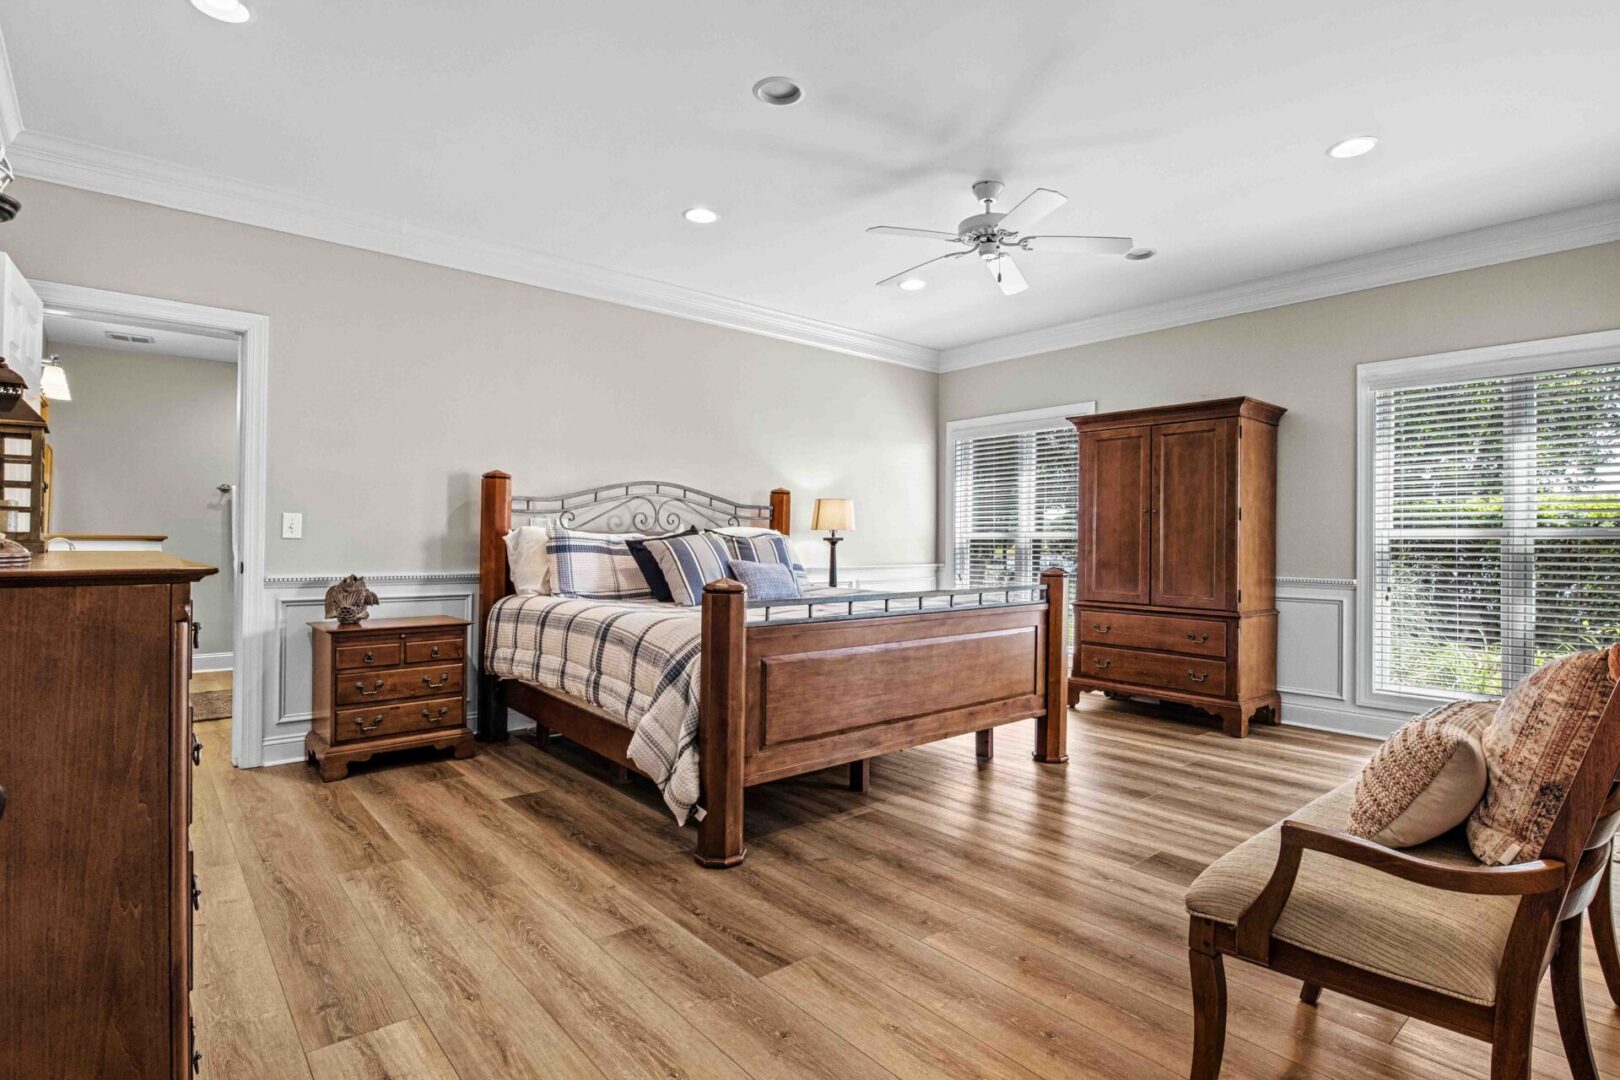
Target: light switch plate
x,y
292,526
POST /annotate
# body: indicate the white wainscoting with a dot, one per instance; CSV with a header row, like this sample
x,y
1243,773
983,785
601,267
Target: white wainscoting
x,y
213,661
1316,659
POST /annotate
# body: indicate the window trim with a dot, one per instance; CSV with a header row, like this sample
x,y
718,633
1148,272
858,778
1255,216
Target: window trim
x,y
1491,361
1049,418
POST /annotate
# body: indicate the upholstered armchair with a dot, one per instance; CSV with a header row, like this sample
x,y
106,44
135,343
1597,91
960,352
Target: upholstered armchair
x,y
1429,931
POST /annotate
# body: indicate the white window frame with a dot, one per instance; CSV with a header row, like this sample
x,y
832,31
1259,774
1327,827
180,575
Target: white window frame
x,y
1050,418
1493,361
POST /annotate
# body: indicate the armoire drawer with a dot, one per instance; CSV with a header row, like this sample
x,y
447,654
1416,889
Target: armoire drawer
x,y
373,723
1154,670
1164,633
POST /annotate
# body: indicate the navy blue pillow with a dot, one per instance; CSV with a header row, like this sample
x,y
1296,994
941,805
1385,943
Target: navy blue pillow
x,y
649,566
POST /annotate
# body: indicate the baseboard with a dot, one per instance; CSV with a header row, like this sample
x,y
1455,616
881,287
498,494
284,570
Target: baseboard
x,y
213,661
1342,719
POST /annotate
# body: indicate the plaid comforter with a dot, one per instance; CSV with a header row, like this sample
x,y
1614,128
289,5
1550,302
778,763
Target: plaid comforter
x,y
637,661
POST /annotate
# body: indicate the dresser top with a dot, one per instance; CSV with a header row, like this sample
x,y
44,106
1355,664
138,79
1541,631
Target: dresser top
x,y
104,568
407,622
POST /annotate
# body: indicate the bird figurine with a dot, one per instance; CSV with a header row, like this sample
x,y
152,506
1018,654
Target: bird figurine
x,y
348,600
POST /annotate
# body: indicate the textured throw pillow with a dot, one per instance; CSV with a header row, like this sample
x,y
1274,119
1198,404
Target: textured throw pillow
x,y
689,563
1426,779
766,546
1533,749
527,561
649,565
595,566
766,580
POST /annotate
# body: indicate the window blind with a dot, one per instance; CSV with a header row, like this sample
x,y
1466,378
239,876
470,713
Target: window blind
x,y
1496,533
1017,506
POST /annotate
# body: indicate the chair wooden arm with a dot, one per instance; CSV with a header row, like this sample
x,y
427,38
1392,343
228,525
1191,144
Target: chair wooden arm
x,y
1255,925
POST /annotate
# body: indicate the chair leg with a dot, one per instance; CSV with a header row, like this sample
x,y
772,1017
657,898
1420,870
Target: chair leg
x,y
1567,1003
1209,1014
1310,993
1602,913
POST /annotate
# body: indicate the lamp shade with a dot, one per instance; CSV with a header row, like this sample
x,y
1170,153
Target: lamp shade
x,y
53,381
837,515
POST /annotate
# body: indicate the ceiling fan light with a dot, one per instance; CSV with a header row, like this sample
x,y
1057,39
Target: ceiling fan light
x,y
226,11
1354,146
914,284
701,215
778,90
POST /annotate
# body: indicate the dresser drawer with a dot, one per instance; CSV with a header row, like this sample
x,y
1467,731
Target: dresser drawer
x,y
1166,633
1154,670
429,650
397,719
378,654
364,687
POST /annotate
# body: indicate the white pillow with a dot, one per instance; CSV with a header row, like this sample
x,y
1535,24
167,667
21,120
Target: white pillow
x,y
527,561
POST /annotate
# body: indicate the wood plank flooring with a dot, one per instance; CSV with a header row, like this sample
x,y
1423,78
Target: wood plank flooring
x,y
520,915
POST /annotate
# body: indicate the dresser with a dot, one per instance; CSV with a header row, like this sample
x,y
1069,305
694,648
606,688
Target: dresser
x,y
387,684
96,754
1176,577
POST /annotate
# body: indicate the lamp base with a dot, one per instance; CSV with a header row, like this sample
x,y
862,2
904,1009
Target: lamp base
x,y
832,559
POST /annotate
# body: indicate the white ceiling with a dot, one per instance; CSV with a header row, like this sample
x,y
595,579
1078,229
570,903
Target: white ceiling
x,y
75,329
583,130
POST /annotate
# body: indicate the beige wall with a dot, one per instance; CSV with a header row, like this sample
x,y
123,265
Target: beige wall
x,y
1304,357
141,448
394,384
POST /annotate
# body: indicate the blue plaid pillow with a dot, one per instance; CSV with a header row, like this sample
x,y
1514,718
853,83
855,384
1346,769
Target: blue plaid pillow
x,y
595,566
766,546
689,563
766,580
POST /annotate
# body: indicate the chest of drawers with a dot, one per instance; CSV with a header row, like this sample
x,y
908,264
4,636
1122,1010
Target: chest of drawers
x,y
387,684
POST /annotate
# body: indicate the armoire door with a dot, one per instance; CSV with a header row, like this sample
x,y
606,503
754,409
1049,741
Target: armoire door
x,y
1194,514
1116,483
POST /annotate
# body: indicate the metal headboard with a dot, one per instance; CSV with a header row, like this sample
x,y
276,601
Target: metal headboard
x,y
637,507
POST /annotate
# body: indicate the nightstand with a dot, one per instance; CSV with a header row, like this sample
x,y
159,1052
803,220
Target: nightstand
x,y
387,684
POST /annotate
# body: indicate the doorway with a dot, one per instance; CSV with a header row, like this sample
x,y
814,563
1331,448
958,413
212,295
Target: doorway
x,y
179,391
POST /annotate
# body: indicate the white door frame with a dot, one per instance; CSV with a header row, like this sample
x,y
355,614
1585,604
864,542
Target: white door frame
x,y
255,624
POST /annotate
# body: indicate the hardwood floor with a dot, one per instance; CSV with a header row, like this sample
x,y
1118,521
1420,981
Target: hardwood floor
x,y
519,915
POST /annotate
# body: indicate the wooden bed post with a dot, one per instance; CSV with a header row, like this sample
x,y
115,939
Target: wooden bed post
x,y
1052,728
721,721
494,582
782,510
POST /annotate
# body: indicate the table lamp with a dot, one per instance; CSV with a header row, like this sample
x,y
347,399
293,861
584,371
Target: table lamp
x,y
833,515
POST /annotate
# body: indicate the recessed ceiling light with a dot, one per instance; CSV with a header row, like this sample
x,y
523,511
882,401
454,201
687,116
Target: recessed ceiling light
x,y
1354,146
776,90
229,11
701,215
1137,254
913,284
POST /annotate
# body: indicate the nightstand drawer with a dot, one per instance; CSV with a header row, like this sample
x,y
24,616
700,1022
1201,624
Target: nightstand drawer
x,y
378,654
1164,633
361,688
429,650
1154,670
398,719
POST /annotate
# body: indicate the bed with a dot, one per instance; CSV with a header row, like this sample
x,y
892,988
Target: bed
x,y
753,691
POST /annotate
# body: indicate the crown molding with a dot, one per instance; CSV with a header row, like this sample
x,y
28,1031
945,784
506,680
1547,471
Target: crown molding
x,y
58,160
1544,234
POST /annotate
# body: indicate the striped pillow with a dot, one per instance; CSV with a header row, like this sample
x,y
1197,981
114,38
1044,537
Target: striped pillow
x,y
689,563
595,566
765,546
766,581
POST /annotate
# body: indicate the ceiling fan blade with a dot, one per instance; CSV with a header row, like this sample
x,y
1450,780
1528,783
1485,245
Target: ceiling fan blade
x,y
919,266
1094,245
921,234
1036,205
1007,274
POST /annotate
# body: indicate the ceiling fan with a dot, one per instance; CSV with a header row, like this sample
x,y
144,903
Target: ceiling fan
x,y
991,236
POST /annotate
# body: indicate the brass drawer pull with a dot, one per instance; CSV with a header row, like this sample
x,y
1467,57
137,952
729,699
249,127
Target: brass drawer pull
x,y
196,751
1101,662
375,689
443,710
1195,677
196,894
366,658
365,727
1101,628
435,652
1198,638
435,685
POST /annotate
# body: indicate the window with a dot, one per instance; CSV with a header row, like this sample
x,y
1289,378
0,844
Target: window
x,y
1494,516
1014,494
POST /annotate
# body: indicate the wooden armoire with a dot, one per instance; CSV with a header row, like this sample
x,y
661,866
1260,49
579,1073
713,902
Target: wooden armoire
x,y
1176,578
96,887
